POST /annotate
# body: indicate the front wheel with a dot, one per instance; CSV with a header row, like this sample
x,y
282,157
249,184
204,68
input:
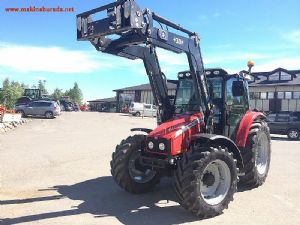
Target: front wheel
x,y
256,155
206,180
127,170
293,134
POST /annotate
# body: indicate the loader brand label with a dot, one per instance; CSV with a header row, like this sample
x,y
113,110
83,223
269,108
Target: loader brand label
x,y
190,125
178,41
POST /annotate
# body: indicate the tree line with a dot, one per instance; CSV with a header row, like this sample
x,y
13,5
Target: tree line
x,y
12,90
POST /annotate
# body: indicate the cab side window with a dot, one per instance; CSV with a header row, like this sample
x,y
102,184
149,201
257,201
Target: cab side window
x,y
237,101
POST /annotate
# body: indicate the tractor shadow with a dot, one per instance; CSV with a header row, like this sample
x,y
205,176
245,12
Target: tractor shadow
x,y
102,198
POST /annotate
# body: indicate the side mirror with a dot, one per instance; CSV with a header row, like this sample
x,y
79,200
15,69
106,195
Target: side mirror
x,y
238,88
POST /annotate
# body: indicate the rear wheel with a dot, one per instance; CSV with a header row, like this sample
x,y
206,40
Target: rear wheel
x,y
126,169
293,134
137,114
256,155
49,115
206,180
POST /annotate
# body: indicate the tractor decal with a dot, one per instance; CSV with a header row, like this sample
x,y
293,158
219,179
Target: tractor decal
x,y
187,127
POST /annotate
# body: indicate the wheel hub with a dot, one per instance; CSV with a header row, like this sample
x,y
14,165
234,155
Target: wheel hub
x,y
208,179
262,154
215,182
293,134
137,172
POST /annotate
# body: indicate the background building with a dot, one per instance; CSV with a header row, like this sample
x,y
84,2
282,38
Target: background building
x,y
274,91
103,105
141,93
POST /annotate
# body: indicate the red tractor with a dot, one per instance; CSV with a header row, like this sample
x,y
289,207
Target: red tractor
x,y
207,139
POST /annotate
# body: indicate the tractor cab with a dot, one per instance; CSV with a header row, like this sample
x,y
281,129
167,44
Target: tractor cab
x,y
228,95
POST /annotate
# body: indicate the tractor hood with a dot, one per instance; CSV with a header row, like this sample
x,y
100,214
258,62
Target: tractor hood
x,y
177,125
176,133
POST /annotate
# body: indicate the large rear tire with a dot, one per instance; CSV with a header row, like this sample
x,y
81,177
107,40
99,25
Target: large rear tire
x,y
206,180
256,155
126,169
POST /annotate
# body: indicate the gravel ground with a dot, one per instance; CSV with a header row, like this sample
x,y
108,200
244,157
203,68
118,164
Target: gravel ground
x,y
57,172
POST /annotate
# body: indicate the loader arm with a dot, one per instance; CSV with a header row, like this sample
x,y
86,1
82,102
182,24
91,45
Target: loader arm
x,y
129,32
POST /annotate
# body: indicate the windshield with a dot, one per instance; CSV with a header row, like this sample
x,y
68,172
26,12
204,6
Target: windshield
x,y
185,97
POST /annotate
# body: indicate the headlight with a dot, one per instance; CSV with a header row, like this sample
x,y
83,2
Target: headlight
x,y
162,146
150,145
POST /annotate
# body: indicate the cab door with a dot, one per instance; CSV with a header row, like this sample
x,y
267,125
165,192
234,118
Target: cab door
x,y
235,105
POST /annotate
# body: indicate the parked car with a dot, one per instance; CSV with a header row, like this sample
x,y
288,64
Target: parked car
x,y
66,106
84,108
138,109
76,106
49,109
287,123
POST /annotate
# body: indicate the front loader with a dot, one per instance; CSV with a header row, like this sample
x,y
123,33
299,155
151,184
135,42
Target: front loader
x,y
207,138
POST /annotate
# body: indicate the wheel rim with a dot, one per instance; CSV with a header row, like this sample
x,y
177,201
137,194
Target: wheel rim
x,y
48,115
293,134
262,154
137,172
215,182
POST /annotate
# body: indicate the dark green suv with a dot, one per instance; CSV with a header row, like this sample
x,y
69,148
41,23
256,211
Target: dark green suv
x,y
287,123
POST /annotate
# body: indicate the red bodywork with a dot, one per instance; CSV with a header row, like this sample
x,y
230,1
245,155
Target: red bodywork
x,y
244,127
178,131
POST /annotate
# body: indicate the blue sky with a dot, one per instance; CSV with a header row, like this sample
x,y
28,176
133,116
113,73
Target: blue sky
x,y
37,46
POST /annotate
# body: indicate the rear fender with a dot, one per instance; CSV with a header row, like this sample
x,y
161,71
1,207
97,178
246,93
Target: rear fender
x,y
244,127
219,140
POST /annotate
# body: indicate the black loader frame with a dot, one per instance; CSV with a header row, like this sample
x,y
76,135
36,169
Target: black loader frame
x,y
137,38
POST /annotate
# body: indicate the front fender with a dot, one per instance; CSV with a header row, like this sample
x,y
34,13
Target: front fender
x,y
244,127
219,140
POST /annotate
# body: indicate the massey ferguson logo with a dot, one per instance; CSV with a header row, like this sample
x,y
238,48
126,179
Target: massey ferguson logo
x,y
178,41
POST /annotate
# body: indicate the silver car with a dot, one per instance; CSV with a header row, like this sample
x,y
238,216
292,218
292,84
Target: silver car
x,y
49,109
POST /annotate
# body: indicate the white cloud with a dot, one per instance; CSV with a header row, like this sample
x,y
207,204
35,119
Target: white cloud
x,y
293,37
172,62
286,63
216,14
233,57
26,58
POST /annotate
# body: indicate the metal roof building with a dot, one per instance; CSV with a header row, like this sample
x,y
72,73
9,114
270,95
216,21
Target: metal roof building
x,y
141,93
277,90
